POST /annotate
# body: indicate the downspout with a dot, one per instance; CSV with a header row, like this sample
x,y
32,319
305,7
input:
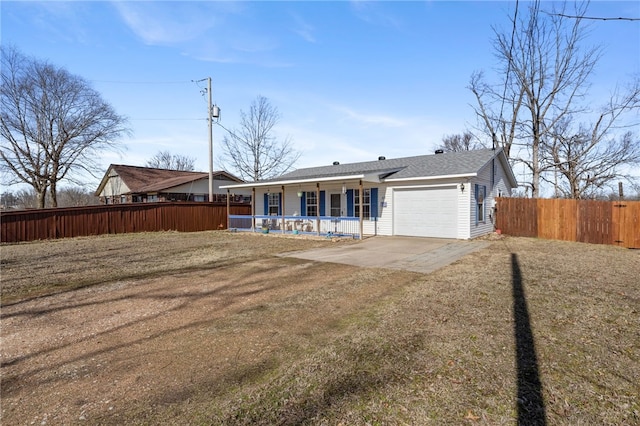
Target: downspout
x,y
318,208
360,199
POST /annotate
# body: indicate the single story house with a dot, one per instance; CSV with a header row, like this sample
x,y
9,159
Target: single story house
x,y
444,195
134,184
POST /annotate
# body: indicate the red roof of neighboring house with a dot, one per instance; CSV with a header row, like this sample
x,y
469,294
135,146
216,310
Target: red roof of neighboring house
x,y
146,179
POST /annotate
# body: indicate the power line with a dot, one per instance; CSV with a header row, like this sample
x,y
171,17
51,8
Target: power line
x,y
594,18
168,119
506,80
140,82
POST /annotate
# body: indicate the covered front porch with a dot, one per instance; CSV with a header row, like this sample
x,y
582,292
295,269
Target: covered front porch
x,y
297,225
328,207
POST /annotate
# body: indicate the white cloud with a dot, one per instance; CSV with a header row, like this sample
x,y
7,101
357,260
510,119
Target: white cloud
x,y
63,20
303,28
164,22
371,119
372,12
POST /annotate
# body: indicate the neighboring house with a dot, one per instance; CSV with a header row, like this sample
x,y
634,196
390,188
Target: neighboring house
x,y
445,195
133,184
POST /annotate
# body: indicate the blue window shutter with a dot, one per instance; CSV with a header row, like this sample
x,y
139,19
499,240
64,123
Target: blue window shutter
x,y
349,202
476,187
484,203
266,204
279,203
374,202
303,204
322,203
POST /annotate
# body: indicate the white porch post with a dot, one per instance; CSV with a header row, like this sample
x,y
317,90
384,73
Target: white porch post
x,y
253,209
228,209
318,208
282,202
360,200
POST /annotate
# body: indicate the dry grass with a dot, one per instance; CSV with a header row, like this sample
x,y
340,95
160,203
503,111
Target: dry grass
x,y
296,342
38,268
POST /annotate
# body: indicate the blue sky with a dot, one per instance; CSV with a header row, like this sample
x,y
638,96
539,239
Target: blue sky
x,y
352,80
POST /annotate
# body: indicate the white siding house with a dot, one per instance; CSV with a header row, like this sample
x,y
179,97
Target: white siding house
x,y
444,195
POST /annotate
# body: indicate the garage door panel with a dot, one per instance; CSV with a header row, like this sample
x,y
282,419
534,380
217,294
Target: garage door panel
x,y
424,212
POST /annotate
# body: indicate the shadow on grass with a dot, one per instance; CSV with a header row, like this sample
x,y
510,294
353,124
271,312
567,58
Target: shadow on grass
x,y
531,408
345,372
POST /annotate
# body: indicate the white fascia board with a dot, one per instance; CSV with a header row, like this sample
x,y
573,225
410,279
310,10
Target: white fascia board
x,y
293,182
373,177
464,175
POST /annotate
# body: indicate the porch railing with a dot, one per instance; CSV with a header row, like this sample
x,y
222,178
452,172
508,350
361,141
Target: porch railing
x,y
310,225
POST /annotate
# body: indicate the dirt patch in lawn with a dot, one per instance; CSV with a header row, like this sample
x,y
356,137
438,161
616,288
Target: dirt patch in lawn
x,y
231,334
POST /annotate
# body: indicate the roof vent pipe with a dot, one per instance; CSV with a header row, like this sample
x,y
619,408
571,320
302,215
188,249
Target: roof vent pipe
x,y
336,163
439,151
382,157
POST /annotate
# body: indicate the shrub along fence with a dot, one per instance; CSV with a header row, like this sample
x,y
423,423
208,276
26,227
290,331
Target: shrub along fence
x,y
29,225
587,221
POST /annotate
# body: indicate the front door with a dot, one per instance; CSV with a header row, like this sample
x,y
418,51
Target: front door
x,y
336,205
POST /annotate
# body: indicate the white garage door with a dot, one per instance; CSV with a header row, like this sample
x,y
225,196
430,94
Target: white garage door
x,y
431,212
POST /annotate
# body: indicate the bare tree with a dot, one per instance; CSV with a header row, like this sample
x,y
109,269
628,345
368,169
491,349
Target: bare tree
x,y
25,199
253,150
590,158
8,200
544,72
460,142
53,124
76,196
166,160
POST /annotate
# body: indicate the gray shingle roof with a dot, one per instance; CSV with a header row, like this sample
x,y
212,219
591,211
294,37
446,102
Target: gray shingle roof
x,y
449,163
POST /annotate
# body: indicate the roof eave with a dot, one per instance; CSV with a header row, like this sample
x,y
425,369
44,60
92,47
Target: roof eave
x,y
294,181
439,177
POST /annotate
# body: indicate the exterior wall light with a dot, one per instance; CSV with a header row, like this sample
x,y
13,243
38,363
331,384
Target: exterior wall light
x,y
462,187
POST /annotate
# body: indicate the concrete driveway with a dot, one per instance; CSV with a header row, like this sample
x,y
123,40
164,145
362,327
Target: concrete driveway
x,y
408,253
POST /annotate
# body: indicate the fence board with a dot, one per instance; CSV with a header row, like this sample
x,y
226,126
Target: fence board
x,y
626,224
115,219
588,221
518,215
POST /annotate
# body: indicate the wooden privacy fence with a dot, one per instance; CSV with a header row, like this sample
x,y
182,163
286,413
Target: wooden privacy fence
x,y
587,221
45,224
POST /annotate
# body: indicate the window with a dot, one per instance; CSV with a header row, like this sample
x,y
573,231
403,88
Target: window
x,y
366,203
481,193
312,203
274,204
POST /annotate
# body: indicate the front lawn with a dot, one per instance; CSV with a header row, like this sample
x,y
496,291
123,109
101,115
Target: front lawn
x,y
213,328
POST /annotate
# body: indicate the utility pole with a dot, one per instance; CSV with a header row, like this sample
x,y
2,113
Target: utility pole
x,y
210,111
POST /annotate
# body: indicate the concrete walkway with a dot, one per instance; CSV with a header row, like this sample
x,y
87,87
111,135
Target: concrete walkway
x,y
408,253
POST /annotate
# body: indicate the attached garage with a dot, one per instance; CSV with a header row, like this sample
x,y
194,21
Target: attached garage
x,y
426,212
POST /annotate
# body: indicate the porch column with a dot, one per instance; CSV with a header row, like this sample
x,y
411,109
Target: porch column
x,y
253,209
228,209
318,208
360,199
282,202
